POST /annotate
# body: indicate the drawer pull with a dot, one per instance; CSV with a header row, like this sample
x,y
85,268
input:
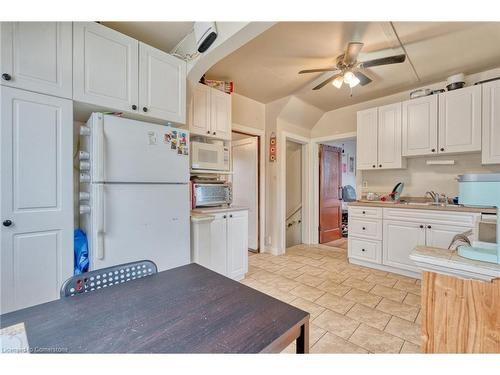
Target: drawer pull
x,y
429,227
364,228
421,227
363,250
364,212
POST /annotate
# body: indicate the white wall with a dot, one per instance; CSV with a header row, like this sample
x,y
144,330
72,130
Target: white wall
x,y
248,112
293,176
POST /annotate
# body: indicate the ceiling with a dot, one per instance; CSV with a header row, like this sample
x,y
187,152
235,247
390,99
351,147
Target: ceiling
x,y
161,35
265,69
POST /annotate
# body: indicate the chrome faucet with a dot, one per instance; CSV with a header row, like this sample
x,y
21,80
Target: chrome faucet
x,y
434,196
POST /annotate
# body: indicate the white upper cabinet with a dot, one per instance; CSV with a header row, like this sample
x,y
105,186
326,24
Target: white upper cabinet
x,y
460,120
420,119
367,139
105,67
210,112
199,118
162,85
389,137
37,56
491,123
220,122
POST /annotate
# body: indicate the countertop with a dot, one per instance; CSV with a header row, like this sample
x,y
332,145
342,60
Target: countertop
x,y
216,210
422,206
448,262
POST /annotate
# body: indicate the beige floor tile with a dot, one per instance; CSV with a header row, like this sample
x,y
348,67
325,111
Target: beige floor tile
x,y
418,282
376,341
357,274
271,267
390,293
402,278
412,299
283,283
307,292
311,270
313,309
311,262
279,294
293,265
335,267
335,276
381,280
335,303
331,344
264,276
371,317
400,310
252,283
315,333
290,349
312,254
408,287
334,288
310,280
409,348
380,273
364,298
358,284
404,329
288,272
418,319
336,323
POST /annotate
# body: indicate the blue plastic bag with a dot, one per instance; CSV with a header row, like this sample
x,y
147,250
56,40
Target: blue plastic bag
x,y
81,252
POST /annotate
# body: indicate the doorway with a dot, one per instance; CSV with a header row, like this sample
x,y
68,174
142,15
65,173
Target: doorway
x,y
294,180
245,151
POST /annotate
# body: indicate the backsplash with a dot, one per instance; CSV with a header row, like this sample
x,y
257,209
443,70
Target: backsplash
x,y
419,177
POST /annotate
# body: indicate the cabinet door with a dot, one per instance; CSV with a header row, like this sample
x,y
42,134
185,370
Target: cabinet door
x,y
199,119
389,137
420,121
400,238
220,116
367,139
162,85
438,235
237,244
105,67
37,56
218,244
36,134
460,120
491,123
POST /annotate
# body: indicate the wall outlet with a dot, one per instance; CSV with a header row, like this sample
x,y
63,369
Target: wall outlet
x,y
365,184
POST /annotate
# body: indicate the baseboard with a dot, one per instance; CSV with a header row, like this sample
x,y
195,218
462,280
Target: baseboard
x,y
382,267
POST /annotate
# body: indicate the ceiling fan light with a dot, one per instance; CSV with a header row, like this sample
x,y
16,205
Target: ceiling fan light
x,y
337,82
354,82
348,77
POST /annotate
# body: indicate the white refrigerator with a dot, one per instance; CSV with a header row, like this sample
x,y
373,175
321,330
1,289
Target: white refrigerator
x,y
134,192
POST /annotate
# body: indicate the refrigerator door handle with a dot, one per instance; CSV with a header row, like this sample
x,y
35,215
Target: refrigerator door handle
x,y
100,151
100,221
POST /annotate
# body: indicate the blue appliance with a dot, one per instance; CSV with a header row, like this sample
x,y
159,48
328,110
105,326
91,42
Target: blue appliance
x,y
481,190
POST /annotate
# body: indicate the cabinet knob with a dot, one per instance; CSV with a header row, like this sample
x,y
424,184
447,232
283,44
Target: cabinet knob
x,y
230,215
421,226
441,149
208,131
380,165
134,107
214,133
364,228
145,109
364,212
433,150
7,223
429,227
6,77
363,250
224,216
374,166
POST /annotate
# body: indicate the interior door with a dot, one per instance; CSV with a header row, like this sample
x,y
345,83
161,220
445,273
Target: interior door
x,y
38,57
366,139
141,221
237,244
106,67
400,238
330,187
220,122
420,123
162,84
245,183
36,136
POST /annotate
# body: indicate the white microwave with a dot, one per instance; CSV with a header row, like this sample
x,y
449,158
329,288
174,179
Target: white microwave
x,y
210,156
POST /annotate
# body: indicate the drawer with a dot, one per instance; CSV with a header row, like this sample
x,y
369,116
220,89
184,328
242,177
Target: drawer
x,y
367,250
369,212
365,228
464,219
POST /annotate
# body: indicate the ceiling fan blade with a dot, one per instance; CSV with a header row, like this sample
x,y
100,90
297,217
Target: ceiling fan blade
x,y
363,78
327,81
352,52
318,70
396,59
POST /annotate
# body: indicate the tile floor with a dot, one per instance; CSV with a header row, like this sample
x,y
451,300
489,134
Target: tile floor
x,y
353,309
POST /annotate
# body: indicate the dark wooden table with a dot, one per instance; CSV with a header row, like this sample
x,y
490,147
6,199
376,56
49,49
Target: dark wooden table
x,y
188,309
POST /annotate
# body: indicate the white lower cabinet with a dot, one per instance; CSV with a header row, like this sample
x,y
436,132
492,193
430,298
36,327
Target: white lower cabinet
x,y
220,242
401,230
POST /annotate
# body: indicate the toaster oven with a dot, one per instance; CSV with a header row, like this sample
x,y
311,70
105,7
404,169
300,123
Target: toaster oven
x,y
211,194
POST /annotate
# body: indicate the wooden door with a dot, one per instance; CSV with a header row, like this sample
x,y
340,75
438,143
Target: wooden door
x,y
491,123
199,119
389,137
420,126
220,122
106,67
37,56
36,235
330,185
162,85
367,139
460,120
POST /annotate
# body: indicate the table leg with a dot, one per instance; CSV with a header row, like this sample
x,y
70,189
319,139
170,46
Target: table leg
x,y
302,342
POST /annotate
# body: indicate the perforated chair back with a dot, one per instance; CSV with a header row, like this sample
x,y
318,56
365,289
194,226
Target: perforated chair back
x,y
348,194
105,277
